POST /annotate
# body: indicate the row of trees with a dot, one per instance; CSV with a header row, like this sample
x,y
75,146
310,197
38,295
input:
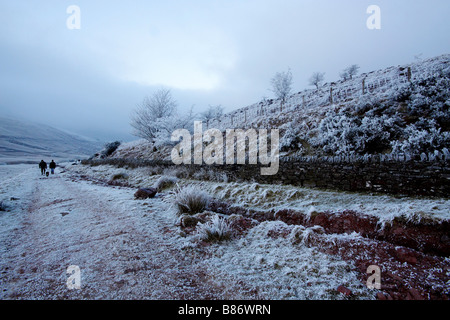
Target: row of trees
x,y
282,81
157,116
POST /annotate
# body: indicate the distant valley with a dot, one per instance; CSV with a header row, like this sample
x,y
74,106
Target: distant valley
x,y
28,142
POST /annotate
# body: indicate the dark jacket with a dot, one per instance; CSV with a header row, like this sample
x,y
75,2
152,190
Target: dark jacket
x,y
43,165
52,165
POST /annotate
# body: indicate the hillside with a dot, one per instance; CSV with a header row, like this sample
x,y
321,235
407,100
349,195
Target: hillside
x,y
397,110
403,109
22,141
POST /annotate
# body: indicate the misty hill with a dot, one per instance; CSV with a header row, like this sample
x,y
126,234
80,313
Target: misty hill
x,y
22,142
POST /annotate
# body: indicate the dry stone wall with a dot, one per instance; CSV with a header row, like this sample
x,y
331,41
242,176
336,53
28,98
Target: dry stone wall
x,y
428,178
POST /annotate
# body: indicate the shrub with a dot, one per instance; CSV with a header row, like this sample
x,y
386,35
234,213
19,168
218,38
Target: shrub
x,y
176,172
154,170
188,221
109,149
209,175
216,230
119,176
165,182
191,200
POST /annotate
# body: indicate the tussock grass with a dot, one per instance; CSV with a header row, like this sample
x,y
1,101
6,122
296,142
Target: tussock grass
x,y
119,176
191,200
216,230
165,182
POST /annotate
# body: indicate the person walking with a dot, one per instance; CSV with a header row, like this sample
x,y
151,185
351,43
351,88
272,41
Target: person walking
x,y
43,167
52,167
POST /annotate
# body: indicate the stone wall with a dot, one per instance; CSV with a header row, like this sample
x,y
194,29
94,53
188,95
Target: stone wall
x,y
429,178
403,177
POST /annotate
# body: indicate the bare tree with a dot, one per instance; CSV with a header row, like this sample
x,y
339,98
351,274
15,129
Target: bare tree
x,y
316,79
165,126
282,84
213,113
349,72
344,75
353,70
159,105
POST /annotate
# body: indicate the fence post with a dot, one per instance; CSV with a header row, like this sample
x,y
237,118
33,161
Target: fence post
x,y
331,95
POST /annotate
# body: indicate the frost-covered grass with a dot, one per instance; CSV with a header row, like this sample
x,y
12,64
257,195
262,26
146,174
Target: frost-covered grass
x,y
119,176
412,119
109,235
190,200
216,230
165,182
304,200
287,267
277,197
393,115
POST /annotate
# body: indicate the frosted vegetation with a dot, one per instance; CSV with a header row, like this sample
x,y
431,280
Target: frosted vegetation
x,y
271,260
412,120
288,268
266,197
190,200
216,230
393,115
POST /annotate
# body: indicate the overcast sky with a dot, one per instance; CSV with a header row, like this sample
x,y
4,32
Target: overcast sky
x,y
208,52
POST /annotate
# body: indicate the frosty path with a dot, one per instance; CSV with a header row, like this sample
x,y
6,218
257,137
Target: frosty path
x,y
122,246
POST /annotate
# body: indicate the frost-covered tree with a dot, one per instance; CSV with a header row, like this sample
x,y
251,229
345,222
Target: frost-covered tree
x,y
213,113
316,79
344,75
282,84
165,126
350,72
160,105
